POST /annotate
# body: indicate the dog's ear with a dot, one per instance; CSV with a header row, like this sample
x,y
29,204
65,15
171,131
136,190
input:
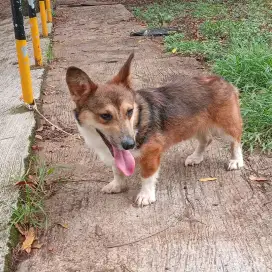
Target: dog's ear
x,y
123,77
79,84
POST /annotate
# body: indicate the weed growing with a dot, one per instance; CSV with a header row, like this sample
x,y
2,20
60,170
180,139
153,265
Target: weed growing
x,y
235,38
34,188
49,53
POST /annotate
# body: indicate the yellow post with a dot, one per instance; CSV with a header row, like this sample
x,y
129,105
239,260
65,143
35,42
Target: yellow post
x,y
35,34
24,68
49,11
21,49
43,18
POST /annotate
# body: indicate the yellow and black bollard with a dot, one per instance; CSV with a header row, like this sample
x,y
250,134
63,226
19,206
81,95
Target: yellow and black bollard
x,y
49,11
43,18
33,21
21,48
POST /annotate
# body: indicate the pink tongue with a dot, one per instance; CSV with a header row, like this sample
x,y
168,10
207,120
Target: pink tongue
x,y
124,161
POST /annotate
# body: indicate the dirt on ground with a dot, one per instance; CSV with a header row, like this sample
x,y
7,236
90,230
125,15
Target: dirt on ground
x,y
5,9
222,225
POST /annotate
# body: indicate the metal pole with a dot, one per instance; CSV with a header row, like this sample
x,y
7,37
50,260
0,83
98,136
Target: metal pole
x,y
49,11
21,48
33,21
43,18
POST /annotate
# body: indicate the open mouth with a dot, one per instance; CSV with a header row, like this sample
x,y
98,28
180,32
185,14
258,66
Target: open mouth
x,y
123,159
105,140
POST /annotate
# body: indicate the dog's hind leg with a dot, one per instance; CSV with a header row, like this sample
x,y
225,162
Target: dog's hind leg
x,y
236,160
117,185
204,139
229,119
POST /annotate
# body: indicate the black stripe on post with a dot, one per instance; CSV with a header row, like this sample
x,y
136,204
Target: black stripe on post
x,y
18,20
31,10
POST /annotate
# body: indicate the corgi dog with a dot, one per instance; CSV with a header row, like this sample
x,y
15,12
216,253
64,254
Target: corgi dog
x,y
122,124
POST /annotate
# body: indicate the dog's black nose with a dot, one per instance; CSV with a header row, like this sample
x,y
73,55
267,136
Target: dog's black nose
x,y
127,143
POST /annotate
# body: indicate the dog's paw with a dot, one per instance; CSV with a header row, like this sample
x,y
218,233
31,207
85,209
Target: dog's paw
x,y
193,160
145,197
114,187
235,164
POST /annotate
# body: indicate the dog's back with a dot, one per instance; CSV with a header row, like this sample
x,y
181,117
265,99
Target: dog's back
x,y
181,109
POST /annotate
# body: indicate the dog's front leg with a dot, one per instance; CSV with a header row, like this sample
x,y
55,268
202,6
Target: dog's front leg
x,y
150,165
118,184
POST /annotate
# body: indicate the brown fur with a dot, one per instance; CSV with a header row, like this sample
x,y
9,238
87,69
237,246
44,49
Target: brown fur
x,y
163,116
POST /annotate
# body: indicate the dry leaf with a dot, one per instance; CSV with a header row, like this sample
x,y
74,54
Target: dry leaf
x,y
98,230
259,179
37,245
38,137
207,179
24,183
40,128
53,128
50,248
20,229
29,239
36,147
63,225
174,50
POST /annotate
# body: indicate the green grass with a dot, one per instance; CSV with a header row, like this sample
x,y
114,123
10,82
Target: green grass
x,y
49,53
30,211
236,40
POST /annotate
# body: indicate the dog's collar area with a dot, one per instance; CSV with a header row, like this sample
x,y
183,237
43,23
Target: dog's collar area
x,y
107,143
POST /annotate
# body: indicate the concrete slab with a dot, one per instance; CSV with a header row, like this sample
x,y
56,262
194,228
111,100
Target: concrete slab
x,y
194,226
16,125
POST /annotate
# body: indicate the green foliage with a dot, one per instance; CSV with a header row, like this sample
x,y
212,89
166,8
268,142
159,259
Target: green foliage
x,y
49,53
29,211
192,47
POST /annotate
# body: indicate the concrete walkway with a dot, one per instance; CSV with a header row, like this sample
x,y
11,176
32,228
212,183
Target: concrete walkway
x,y
194,226
16,126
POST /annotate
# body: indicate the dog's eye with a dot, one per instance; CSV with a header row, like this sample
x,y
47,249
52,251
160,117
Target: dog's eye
x,y
106,116
130,112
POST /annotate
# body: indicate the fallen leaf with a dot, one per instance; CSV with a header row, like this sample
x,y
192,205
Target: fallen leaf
x,y
65,226
53,128
24,183
40,128
98,230
174,50
51,86
37,245
29,239
20,229
207,179
38,137
259,179
36,147
50,248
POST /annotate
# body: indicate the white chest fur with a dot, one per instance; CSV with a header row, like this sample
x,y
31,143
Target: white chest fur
x,y
94,141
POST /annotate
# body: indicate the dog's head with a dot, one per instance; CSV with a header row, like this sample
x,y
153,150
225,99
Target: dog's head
x,y
109,108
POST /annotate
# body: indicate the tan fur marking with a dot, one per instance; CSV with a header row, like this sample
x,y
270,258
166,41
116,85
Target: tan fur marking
x,y
151,157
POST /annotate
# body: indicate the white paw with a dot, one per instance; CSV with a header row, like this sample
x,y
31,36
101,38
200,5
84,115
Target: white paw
x,y
114,187
145,197
193,160
235,164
